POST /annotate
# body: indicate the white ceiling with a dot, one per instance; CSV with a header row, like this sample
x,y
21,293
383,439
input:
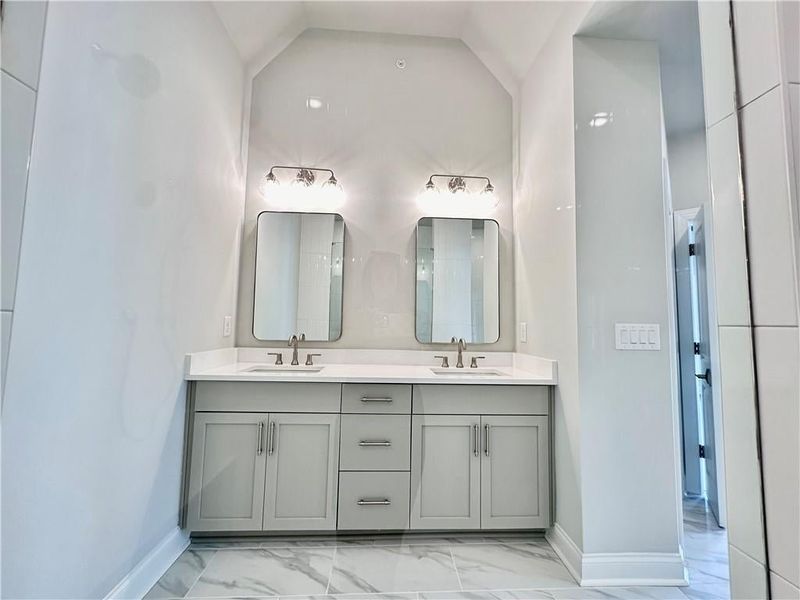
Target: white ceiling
x,y
505,35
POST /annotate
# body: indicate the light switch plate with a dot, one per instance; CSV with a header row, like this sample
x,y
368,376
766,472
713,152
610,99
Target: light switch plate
x,y
637,336
227,326
523,332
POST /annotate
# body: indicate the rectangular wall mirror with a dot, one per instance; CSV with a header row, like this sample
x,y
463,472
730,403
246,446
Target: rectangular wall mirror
x,y
458,282
298,287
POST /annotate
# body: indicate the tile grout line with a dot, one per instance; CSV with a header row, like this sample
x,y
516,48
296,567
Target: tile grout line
x,y
199,575
455,568
330,573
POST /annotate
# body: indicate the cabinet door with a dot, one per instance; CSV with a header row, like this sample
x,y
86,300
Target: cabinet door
x,y
445,472
226,481
515,472
302,472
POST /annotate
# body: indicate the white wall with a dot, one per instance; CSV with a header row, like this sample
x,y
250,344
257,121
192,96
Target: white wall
x,y
544,247
768,70
128,262
22,33
384,131
628,446
688,169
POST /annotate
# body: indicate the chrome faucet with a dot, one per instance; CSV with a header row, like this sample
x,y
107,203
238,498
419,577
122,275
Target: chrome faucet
x,y
462,345
294,341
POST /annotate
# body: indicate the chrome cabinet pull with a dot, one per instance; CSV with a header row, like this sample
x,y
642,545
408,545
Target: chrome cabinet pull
x,y
476,441
260,448
271,437
374,399
374,443
374,502
486,434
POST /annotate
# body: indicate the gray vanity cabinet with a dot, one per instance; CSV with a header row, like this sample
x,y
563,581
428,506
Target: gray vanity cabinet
x,y
445,472
302,472
515,472
226,485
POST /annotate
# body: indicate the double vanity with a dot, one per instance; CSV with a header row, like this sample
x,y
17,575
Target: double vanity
x,y
313,440
390,446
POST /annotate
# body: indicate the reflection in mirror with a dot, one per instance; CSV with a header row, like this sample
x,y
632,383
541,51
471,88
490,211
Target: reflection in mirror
x,y
298,287
458,280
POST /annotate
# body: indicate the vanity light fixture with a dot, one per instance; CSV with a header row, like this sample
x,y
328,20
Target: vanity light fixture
x,y
302,189
458,188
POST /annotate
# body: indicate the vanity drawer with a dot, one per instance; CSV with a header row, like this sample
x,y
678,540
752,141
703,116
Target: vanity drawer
x,y
481,399
256,396
373,500
376,398
375,443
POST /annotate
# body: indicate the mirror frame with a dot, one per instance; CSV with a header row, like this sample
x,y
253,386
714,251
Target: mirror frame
x,y
255,269
416,258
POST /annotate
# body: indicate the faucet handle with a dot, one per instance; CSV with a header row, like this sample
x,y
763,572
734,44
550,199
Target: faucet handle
x,y
302,337
310,359
445,362
473,363
278,357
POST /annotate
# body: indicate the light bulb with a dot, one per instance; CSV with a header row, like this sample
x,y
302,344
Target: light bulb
x,y
488,196
332,192
270,184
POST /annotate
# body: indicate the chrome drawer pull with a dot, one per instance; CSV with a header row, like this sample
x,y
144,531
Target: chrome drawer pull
x,y
371,399
374,502
374,443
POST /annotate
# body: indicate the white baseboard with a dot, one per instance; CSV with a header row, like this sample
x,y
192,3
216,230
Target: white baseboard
x,y
150,569
618,568
567,550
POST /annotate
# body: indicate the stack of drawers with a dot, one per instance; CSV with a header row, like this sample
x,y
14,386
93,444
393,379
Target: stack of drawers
x,y
375,457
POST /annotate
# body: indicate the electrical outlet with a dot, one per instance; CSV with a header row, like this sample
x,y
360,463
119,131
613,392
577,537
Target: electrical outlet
x,y
227,326
523,332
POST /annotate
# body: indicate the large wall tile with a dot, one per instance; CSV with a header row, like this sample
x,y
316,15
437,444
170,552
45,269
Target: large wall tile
x,y
794,121
17,129
748,577
789,23
22,32
778,353
742,475
717,57
5,337
768,214
782,589
730,263
757,62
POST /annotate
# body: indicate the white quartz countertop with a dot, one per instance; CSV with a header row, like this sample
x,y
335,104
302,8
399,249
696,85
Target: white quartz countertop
x,y
369,366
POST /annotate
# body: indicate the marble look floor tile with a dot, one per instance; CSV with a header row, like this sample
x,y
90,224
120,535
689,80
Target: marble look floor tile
x,y
616,593
510,566
265,572
177,580
407,596
479,595
386,569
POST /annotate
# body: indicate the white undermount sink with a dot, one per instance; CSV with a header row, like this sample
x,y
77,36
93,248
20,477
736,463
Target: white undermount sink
x,y
468,372
282,369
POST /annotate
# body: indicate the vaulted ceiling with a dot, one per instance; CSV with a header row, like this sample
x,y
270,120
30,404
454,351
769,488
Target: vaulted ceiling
x,y
505,35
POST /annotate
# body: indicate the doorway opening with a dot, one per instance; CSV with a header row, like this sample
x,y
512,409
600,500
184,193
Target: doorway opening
x,y
704,507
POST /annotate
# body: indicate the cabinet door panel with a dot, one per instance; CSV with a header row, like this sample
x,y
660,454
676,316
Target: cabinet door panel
x,y
302,472
226,484
445,472
514,472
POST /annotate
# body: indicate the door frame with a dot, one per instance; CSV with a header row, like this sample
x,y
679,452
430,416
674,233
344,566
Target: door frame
x,y
713,335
